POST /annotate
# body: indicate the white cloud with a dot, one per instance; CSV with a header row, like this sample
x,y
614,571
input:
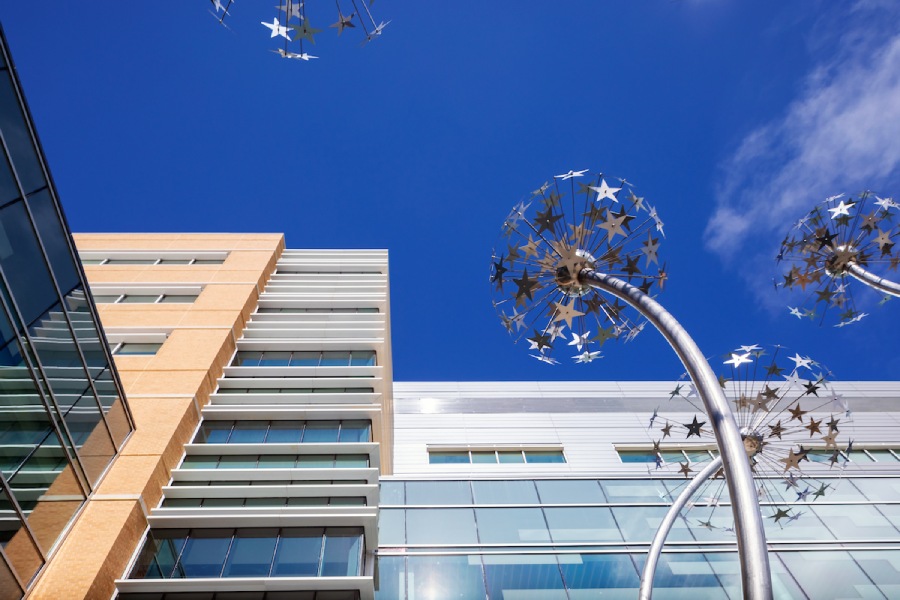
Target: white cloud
x,y
842,134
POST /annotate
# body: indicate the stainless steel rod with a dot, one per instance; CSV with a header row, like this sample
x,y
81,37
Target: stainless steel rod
x,y
748,524
870,279
659,540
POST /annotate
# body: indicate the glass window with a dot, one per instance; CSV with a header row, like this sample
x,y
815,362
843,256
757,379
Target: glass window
x,y
625,491
131,261
275,359
55,240
208,261
544,456
249,432
321,431
391,493
505,492
159,554
511,525
438,492
175,261
440,526
362,358
808,569
285,432
570,492
514,456
448,457
484,456
251,553
107,299
639,523
237,461
200,461
391,526
213,432
136,349
637,456
305,359
298,553
343,552
204,553
355,431
855,522
335,359
351,461
247,359
390,578
277,461
582,524
523,576
451,577
18,137
600,576
23,262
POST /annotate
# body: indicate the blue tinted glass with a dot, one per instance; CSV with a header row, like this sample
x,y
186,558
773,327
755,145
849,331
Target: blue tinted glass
x,y
213,432
391,527
582,524
446,577
504,492
600,574
351,461
855,521
204,553
438,492
341,557
511,525
321,431
365,358
448,458
23,263
335,359
570,492
440,526
55,241
390,578
523,576
540,456
828,574
305,359
882,567
249,432
639,523
355,431
298,553
687,577
159,554
285,432
874,488
18,137
237,461
251,553
391,493
275,359
634,490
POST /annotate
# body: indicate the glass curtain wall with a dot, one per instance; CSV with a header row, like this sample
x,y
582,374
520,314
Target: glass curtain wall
x,y
62,413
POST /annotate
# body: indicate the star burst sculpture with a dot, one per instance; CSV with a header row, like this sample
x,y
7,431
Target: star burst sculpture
x,y
794,427
573,222
839,242
292,25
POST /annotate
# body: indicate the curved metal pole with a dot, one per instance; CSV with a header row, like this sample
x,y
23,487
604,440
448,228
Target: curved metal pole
x,y
659,540
870,279
748,524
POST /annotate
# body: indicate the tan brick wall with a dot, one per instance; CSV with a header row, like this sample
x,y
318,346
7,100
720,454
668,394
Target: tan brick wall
x,y
164,392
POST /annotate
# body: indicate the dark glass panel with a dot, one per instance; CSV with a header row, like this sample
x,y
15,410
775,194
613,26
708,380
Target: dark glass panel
x,y
285,432
249,432
277,461
599,574
9,190
204,553
213,432
298,553
160,553
55,240
23,264
275,359
177,299
237,461
251,553
321,431
355,431
18,138
335,359
247,359
342,555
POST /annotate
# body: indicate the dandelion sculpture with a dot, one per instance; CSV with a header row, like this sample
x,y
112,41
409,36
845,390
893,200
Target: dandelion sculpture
x,y
840,241
547,278
292,25
796,432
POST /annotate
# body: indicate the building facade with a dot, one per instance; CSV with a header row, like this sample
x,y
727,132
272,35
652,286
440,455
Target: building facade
x,y
63,418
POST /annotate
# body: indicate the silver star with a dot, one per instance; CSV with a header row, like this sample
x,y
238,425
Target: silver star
x,y
587,357
571,174
276,28
841,209
604,191
294,55
292,9
579,340
800,361
739,359
796,312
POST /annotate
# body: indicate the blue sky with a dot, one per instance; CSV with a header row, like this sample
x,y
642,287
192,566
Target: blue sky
x,y
731,118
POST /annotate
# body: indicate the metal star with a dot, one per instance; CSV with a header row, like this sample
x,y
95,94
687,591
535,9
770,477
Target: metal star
x,y
526,286
305,31
571,174
292,9
343,22
797,413
276,28
604,191
667,430
694,427
685,469
566,313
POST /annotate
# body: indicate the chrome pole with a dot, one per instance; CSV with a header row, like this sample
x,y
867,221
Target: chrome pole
x,y
870,279
659,540
756,578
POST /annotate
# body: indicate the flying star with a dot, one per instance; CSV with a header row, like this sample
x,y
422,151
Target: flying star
x,y
292,9
833,424
841,209
706,524
604,191
518,319
547,359
667,430
675,392
586,356
305,31
571,174
297,56
813,426
739,359
376,32
651,247
685,469
566,313
605,334
526,286
800,361
797,413
792,461
821,491
555,330
653,418
499,270
343,22
885,203
830,440
792,380
777,430
694,427
539,341
579,340
613,225
217,5
780,513
790,482
540,191
636,202
794,516
276,28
